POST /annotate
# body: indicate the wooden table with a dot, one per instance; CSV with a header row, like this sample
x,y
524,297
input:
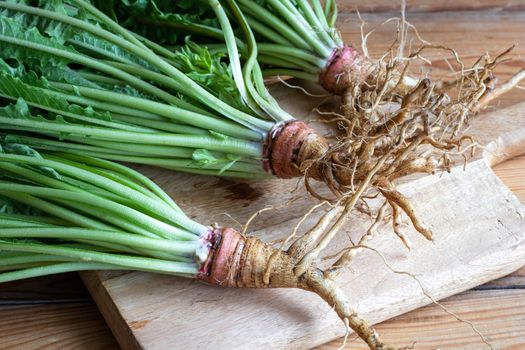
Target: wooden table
x,y
57,312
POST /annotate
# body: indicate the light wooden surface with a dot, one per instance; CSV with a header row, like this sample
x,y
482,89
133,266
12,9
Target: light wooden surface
x,y
491,30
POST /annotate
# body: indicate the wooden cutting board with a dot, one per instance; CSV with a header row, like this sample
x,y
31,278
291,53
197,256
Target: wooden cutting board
x,y
479,228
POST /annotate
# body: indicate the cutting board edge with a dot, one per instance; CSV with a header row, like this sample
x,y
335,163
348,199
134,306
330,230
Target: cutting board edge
x,y
110,311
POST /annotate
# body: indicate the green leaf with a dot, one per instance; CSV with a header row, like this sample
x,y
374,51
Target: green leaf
x,y
164,21
64,75
233,159
29,89
203,157
90,44
209,71
20,149
16,39
9,206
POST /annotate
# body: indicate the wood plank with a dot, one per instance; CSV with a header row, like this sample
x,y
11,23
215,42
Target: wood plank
x,y
515,280
113,316
63,326
49,289
512,173
498,315
430,5
65,286
396,330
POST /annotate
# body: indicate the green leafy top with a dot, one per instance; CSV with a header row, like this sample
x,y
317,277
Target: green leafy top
x,y
210,71
164,21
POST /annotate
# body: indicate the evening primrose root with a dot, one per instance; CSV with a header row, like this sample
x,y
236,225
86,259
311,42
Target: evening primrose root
x,y
64,212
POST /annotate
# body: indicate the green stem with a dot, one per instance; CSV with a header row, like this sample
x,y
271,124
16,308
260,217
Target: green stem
x,y
131,115
126,262
33,219
159,49
177,248
255,172
124,173
58,211
251,8
91,120
22,259
101,52
162,80
306,32
319,12
53,269
233,146
277,61
87,199
51,145
65,183
160,125
315,23
233,53
97,78
102,105
181,115
286,62
252,73
331,12
132,149
198,29
292,52
112,186
117,220
268,32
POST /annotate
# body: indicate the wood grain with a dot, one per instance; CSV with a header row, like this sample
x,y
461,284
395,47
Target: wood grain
x,y
44,290
497,308
347,6
512,173
51,312
470,34
499,315
56,326
403,329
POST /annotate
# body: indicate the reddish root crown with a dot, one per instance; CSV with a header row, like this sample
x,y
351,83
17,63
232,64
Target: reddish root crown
x,y
288,146
294,149
238,261
345,68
